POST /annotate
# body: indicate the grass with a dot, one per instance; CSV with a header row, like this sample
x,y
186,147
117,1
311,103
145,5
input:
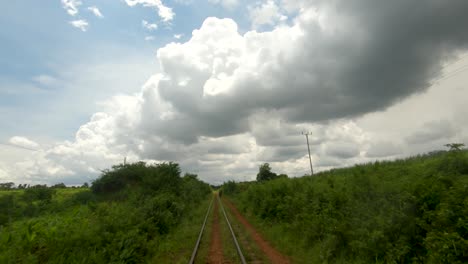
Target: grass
x,y
7,192
405,211
177,247
249,247
229,248
279,238
204,247
134,213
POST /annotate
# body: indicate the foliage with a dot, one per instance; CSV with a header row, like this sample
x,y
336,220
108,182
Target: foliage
x,y
59,185
265,173
127,214
455,146
39,193
6,185
229,187
407,211
150,178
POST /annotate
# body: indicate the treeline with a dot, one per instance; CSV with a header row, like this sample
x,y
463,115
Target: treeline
x,y
406,211
124,217
5,186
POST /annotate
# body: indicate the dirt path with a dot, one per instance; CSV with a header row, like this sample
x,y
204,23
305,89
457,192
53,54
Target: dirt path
x,y
216,246
273,255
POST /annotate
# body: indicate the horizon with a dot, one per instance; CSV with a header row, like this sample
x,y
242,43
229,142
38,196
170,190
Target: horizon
x,y
222,86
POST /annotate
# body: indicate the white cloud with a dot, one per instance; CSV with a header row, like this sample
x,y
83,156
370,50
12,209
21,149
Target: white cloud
x,y
228,4
23,142
266,13
149,38
384,149
164,12
95,11
178,36
95,80
71,6
291,6
149,26
80,24
223,102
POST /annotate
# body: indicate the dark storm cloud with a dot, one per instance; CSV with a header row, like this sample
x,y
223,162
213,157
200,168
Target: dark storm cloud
x,y
365,56
392,49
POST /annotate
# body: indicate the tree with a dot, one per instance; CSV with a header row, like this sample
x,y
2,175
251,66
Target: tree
x,y
38,193
191,176
7,185
454,146
265,173
59,185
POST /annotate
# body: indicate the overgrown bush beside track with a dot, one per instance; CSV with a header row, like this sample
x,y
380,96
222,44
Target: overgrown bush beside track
x,y
406,211
122,218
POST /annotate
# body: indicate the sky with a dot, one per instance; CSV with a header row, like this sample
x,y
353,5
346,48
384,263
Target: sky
x,y
223,86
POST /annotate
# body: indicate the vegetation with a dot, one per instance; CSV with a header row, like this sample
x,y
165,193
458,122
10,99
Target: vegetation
x,y
265,173
131,214
406,211
455,146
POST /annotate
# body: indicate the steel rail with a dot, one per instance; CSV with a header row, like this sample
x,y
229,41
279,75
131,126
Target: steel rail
x,y
239,252
197,245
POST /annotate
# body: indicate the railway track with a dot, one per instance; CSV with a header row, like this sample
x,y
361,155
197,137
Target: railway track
x,y
216,199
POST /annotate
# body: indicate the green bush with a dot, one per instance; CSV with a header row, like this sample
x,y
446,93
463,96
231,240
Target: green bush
x,y
129,210
84,197
406,211
38,193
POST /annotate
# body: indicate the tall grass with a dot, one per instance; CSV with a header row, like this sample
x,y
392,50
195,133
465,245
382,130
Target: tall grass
x,y
127,216
407,211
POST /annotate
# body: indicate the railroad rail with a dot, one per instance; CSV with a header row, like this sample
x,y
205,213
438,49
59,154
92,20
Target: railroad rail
x,y
197,245
239,252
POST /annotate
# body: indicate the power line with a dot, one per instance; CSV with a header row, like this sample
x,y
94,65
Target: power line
x,y
16,146
452,73
455,61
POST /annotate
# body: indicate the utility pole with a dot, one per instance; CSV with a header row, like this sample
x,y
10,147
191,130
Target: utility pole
x,y
308,148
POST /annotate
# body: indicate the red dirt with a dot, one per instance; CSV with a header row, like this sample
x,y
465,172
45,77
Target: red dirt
x,y
272,254
216,246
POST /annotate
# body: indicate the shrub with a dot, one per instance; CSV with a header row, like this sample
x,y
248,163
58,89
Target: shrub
x,y
38,193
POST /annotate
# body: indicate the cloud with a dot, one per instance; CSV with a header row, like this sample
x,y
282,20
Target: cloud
x,y
383,149
71,6
342,150
164,12
432,131
150,38
95,11
149,26
307,72
178,36
223,101
228,4
23,142
266,13
80,24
